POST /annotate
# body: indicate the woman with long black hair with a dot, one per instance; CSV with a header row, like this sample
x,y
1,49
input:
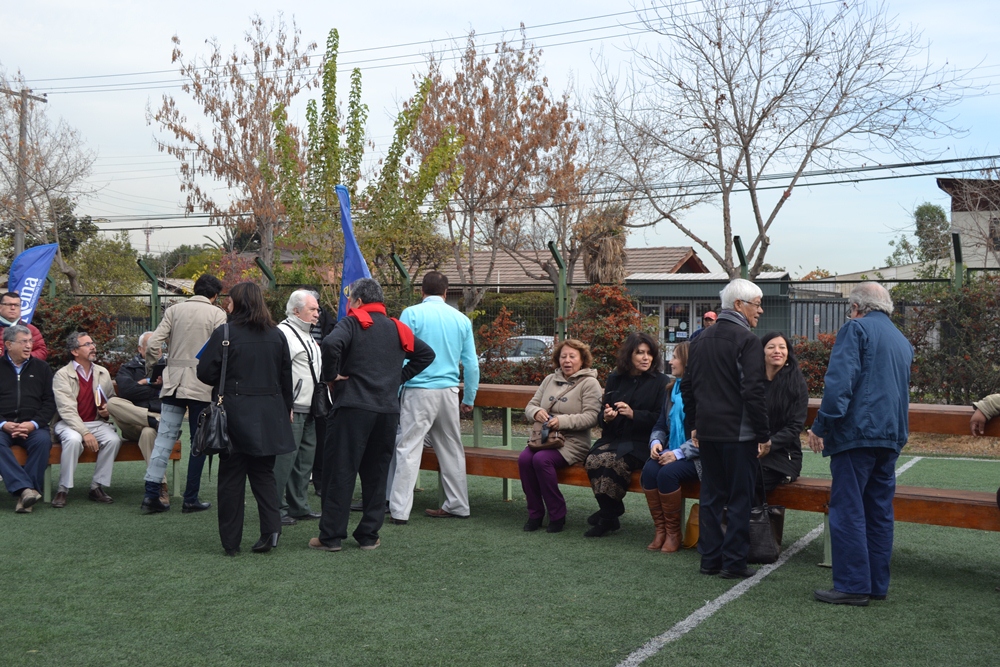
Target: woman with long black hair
x,y
787,403
258,402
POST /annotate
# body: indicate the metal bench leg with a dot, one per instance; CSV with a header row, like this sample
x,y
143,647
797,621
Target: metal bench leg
x,y
47,491
827,549
173,480
508,443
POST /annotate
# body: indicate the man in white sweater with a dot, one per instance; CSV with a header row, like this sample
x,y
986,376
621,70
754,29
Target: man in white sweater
x,y
291,471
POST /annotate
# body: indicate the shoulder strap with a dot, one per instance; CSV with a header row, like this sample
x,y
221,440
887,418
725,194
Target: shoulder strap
x,y
309,355
225,359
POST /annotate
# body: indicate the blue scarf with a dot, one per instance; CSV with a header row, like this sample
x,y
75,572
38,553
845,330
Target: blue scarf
x,y
677,437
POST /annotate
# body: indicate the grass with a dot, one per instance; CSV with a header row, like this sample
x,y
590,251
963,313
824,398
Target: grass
x,y
104,585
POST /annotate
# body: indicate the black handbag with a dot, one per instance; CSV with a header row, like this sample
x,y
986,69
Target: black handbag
x,y
321,403
767,524
213,431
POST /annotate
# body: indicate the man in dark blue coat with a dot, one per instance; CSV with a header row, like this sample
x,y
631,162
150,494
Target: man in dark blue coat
x,y
862,424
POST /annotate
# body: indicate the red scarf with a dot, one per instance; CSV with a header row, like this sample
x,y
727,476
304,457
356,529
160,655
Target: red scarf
x,y
363,315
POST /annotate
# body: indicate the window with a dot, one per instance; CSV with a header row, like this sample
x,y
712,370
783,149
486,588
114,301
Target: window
x,y
532,348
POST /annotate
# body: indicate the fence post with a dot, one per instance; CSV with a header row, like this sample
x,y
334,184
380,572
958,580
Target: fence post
x,y
560,293
154,295
959,279
52,286
744,269
268,273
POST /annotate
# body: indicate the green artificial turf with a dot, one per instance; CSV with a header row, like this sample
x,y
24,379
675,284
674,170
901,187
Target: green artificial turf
x,y
103,585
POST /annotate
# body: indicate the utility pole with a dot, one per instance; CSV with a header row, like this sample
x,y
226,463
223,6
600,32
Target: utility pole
x,y
148,230
22,167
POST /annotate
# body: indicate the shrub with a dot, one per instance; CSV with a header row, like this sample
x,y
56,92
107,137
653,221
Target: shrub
x,y
57,318
814,357
603,318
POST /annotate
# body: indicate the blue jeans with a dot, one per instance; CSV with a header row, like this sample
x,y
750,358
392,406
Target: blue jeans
x,y
32,475
171,418
861,518
667,478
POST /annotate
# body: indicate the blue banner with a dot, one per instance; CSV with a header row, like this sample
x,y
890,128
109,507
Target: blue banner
x,y
354,263
27,276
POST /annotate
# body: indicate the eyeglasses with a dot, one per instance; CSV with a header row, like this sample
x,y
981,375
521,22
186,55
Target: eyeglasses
x,y
9,304
90,344
755,304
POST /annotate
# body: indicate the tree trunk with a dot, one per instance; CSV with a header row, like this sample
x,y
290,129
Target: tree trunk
x,y
70,273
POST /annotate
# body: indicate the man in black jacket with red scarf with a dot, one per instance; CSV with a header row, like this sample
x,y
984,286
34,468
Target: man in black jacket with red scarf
x,y
364,356
726,411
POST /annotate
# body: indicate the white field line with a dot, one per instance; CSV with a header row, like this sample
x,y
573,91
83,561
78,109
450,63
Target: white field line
x,y
656,644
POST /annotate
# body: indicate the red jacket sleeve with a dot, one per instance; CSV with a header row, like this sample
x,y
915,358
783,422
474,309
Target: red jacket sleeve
x,y
38,348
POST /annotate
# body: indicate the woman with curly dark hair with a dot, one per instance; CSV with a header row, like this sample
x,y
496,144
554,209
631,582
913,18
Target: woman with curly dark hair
x,y
633,397
787,403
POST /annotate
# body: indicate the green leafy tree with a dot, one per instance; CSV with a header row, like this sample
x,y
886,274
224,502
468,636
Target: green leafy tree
x,y
395,210
107,265
932,240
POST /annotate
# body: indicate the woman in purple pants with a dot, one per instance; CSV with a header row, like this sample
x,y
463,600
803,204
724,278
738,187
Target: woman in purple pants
x,y
567,401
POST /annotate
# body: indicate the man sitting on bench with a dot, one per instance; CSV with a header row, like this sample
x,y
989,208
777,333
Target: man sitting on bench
x,y
26,408
82,389
136,408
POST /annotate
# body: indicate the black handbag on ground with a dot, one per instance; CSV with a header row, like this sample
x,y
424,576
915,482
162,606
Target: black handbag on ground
x,y
767,523
213,431
321,403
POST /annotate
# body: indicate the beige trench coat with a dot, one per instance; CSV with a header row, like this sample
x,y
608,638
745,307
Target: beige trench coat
x,y
185,329
577,409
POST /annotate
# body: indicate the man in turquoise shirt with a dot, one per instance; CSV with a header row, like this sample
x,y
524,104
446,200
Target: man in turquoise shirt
x,y
429,404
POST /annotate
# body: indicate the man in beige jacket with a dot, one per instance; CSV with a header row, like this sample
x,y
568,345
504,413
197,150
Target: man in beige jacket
x,y
986,409
185,329
82,389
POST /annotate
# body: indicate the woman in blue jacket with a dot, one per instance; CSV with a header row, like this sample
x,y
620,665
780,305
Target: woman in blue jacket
x,y
673,459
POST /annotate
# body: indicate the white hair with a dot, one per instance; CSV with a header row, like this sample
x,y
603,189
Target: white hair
x,y
868,297
144,337
297,300
739,290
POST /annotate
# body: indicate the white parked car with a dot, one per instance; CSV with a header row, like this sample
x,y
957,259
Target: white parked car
x,y
523,348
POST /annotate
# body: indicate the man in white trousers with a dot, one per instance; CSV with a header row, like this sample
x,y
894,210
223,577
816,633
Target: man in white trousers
x,y
429,404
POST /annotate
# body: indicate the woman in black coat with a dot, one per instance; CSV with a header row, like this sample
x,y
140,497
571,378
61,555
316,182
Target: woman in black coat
x,y
633,397
258,402
787,403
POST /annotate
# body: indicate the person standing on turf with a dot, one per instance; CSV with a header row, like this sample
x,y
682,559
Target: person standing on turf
x,y
363,356
862,425
429,404
725,409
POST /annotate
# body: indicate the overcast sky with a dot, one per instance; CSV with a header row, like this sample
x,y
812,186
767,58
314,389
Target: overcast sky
x,y
843,228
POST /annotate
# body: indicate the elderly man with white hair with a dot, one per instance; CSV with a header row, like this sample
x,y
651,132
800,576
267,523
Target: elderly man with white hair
x,y
136,408
726,410
862,424
291,471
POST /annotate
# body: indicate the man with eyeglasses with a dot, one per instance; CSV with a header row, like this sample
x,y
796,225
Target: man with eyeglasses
x,y
725,409
82,389
10,314
26,408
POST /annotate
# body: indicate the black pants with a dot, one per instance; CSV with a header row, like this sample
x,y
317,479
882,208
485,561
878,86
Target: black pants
x,y
233,473
358,443
727,480
317,471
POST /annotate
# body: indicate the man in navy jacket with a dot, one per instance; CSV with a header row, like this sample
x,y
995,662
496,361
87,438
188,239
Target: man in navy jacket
x,y
862,424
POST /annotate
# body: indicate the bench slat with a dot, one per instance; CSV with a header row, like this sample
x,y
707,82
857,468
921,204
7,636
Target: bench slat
x,y
129,451
913,504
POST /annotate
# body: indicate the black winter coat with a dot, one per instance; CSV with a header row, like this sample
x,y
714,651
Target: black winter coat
x,y
645,394
31,399
723,384
258,389
786,422
141,395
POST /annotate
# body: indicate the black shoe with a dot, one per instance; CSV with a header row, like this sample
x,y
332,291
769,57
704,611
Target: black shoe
x,y
603,528
288,521
398,522
153,422
745,573
198,506
312,516
833,596
878,597
594,518
556,525
710,571
265,543
232,553
357,507
532,525
153,506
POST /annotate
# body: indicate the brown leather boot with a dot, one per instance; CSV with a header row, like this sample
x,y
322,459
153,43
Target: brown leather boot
x,y
653,499
164,494
671,505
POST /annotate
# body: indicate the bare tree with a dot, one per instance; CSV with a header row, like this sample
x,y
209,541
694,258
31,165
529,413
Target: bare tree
x,y
237,94
509,120
729,95
57,166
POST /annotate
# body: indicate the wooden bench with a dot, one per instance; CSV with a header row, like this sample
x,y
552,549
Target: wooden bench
x,y
129,451
913,504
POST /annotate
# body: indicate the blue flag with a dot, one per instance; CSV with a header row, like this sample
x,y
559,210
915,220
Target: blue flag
x,y
27,276
354,263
